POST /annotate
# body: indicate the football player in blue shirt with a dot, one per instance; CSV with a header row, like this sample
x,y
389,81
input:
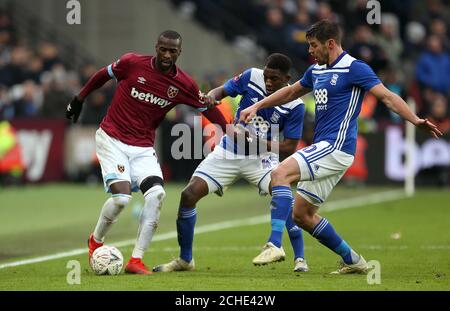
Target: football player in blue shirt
x,y
231,160
338,82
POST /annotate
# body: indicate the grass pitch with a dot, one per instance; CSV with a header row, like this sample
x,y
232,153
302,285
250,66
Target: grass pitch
x,y
409,237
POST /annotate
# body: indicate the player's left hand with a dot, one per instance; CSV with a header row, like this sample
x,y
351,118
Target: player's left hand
x,y
426,125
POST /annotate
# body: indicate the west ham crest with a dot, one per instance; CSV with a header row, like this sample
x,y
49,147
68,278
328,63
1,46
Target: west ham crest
x,y
121,168
172,91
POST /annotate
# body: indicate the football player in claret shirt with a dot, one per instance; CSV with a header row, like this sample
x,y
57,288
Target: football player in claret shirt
x,y
147,88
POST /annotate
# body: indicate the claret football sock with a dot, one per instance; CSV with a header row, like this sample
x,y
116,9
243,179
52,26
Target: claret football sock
x,y
185,228
279,209
325,233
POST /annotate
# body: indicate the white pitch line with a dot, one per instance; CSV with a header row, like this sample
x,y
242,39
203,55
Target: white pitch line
x,y
255,220
369,199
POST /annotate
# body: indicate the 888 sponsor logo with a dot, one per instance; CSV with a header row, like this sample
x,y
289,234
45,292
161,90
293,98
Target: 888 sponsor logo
x,y
260,126
321,98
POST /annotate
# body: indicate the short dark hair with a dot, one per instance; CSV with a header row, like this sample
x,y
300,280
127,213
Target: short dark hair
x,y
279,61
170,34
324,30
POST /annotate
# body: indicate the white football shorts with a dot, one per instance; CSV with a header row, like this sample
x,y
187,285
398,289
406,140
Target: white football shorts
x,y
321,167
220,171
122,162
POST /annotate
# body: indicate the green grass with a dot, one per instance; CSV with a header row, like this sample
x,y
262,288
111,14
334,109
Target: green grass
x,y
36,221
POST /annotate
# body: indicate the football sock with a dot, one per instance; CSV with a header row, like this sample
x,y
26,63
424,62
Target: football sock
x,y
279,209
109,213
324,232
185,228
148,220
296,236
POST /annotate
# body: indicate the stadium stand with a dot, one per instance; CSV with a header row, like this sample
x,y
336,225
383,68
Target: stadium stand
x,y
40,69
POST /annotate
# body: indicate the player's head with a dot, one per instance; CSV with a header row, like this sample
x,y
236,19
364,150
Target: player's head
x,y
168,48
323,37
276,72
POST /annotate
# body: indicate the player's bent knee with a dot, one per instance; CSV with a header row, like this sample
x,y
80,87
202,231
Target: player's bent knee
x,y
121,199
189,197
149,183
278,176
157,193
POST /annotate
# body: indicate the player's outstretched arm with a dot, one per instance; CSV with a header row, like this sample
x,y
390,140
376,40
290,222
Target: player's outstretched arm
x,y
280,97
73,109
213,97
399,106
218,93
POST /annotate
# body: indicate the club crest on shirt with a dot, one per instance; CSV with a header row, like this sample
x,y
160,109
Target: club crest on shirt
x,y
121,168
334,78
172,91
275,117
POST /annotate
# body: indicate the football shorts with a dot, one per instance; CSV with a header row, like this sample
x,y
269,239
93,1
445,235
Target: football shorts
x,y
122,162
321,167
220,171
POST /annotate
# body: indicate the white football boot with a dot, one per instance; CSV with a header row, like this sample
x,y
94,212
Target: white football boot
x,y
177,264
359,267
269,254
300,265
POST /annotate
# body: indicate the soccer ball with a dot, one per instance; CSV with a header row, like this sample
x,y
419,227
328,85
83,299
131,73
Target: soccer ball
x,y
107,260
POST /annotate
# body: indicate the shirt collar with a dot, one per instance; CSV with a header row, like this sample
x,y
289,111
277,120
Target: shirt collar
x,y
337,59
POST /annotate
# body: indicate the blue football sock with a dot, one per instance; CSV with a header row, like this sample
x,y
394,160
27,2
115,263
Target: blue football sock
x,y
185,228
296,236
324,232
279,211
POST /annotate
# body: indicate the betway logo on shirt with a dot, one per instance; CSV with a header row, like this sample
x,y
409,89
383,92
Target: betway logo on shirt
x,y
150,98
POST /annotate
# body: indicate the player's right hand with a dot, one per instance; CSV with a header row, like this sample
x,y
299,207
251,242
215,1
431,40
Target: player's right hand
x,y
426,125
73,109
247,114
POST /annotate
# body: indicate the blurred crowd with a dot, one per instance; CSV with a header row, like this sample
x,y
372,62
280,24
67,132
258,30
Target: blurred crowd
x,y
35,81
409,50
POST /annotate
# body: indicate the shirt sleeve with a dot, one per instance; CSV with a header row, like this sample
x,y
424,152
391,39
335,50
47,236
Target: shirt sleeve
x,y
306,80
238,85
119,68
193,96
293,127
363,76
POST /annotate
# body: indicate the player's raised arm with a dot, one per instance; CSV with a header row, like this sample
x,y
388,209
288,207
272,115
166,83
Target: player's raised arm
x,y
73,109
399,106
280,97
